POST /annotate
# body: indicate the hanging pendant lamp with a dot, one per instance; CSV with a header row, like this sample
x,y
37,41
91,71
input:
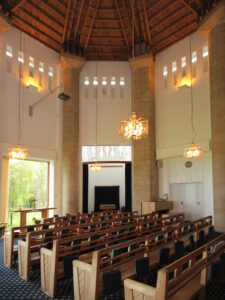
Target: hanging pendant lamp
x,y
18,152
134,128
193,151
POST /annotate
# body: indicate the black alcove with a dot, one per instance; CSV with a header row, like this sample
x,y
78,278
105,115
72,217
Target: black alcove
x,y
107,195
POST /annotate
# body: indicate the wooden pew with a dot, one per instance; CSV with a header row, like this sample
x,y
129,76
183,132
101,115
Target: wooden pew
x,y
17,233
28,254
86,216
124,261
185,278
51,257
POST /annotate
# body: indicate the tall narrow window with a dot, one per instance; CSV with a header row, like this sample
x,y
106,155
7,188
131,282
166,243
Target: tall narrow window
x,y
21,62
165,77
86,86
194,63
205,58
41,73
104,84
122,85
9,55
174,73
183,66
95,85
31,66
50,78
113,87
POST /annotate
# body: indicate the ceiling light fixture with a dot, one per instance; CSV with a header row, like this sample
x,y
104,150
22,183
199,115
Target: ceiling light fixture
x,y
134,128
193,151
18,152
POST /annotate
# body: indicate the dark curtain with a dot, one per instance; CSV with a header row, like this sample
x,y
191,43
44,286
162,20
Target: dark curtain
x,y
106,195
85,188
128,191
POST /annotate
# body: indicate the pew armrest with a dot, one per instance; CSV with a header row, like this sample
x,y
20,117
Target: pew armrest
x,y
82,280
133,288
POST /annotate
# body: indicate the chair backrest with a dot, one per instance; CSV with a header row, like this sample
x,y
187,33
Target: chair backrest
x,y
111,282
217,273
179,249
191,242
141,268
163,258
30,228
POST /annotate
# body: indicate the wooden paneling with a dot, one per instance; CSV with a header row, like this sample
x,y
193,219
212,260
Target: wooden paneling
x,y
99,27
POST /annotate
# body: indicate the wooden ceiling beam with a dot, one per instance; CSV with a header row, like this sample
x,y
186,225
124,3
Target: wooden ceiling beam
x,y
86,18
16,6
146,22
164,44
66,21
157,15
106,45
78,19
173,34
46,19
48,11
36,34
189,7
168,18
19,22
71,20
135,20
92,23
122,25
141,18
25,14
106,29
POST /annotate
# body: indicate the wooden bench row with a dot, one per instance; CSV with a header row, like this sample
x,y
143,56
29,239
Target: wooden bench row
x,y
68,236
84,217
186,278
16,233
122,257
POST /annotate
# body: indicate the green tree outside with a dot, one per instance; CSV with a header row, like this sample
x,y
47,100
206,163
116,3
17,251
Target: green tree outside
x,y
28,180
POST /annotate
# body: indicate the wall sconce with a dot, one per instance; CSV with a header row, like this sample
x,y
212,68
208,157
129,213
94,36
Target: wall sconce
x,y
183,87
32,88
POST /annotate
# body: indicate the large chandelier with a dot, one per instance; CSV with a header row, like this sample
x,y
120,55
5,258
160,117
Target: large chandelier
x,y
96,167
18,152
134,128
193,151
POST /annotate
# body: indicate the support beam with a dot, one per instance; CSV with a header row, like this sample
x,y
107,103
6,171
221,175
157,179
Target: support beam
x,y
66,22
122,25
147,23
78,19
92,23
135,20
20,3
189,7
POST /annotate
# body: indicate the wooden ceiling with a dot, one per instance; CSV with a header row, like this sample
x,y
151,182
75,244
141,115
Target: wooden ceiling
x,y
103,29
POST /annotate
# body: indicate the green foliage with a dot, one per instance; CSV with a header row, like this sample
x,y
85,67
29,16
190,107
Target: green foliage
x,y
27,180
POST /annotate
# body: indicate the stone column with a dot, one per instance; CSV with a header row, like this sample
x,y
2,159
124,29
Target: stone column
x,y
214,27
70,149
145,180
